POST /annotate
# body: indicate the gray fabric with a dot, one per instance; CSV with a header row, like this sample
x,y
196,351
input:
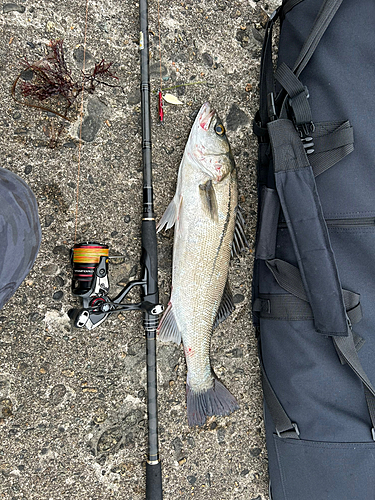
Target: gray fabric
x,y
322,468
20,233
268,220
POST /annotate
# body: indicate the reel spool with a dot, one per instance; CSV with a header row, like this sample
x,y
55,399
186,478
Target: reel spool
x,y
85,257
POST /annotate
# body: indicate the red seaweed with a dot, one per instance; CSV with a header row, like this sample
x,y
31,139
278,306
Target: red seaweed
x,y
52,80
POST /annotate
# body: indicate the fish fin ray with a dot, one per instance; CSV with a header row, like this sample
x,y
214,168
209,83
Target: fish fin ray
x,y
168,330
208,197
170,215
215,401
226,306
240,243
178,228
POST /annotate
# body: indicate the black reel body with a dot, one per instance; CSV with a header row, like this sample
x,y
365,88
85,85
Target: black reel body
x,y
85,258
91,284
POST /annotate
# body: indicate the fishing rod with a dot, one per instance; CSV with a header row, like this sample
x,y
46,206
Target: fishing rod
x,y
150,264
91,281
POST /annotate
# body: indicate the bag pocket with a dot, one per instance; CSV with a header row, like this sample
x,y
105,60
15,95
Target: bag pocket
x,y
312,470
268,221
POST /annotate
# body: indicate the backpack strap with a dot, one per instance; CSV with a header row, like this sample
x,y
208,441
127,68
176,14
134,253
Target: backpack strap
x,y
267,81
284,427
330,143
294,178
293,98
303,214
284,74
298,96
295,305
323,20
291,308
287,6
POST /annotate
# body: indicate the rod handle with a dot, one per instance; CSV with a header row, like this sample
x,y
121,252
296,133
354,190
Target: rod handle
x,y
153,482
149,260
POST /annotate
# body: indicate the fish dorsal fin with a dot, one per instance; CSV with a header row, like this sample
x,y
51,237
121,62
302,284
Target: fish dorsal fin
x,y
240,242
208,197
171,214
168,330
226,307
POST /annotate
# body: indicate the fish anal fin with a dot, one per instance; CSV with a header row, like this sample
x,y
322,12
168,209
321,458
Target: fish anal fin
x,y
240,243
208,197
226,306
168,330
214,401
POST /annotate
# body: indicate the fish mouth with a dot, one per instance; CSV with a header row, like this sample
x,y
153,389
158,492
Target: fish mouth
x,y
205,116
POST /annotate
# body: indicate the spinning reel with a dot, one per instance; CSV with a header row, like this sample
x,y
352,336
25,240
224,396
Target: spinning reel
x,y
91,284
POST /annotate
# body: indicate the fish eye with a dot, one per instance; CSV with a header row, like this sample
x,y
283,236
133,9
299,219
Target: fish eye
x,y
219,129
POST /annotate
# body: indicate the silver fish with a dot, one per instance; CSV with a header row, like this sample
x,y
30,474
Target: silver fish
x,y
207,221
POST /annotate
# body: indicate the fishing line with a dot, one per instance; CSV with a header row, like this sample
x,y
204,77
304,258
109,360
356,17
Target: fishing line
x,y
161,80
160,93
80,125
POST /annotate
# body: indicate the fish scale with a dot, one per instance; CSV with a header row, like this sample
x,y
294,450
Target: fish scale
x,y
203,211
195,332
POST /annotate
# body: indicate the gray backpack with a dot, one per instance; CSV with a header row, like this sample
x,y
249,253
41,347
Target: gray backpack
x,y
314,273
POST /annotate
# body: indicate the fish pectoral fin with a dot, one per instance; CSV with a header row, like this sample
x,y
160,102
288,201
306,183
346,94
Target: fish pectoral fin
x,y
168,330
240,243
226,306
208,197
170,215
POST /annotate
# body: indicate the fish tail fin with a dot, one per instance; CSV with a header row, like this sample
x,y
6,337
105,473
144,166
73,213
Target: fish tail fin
x,y
168,330
214,401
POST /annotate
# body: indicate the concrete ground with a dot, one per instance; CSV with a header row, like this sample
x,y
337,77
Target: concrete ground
x,y
72,403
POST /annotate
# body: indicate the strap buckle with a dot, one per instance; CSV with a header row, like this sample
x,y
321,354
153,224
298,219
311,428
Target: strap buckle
x,y
262,306
296,430
307,141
